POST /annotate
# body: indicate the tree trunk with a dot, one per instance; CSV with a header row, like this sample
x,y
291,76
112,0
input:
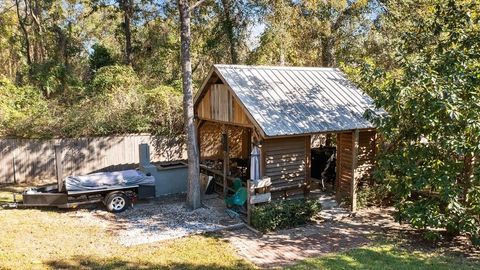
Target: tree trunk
x,y
228,26
39,45
193,189
21,21
328,51
282,54
127,7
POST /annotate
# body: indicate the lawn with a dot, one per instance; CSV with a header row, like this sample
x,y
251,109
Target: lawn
x,y
384,257
35,239
51,239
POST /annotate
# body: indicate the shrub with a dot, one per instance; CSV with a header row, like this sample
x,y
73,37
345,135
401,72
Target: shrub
x,y
100,57
24,112
431,132
164,105
114,102
114,79
284,214
373,195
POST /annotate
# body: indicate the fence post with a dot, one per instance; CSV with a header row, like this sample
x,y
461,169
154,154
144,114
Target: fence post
x,y
59,166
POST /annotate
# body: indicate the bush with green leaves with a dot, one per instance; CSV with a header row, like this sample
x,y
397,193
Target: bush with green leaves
x,y
119,104
116,102
373,195
114,79
100,57
284,214
432,131
164,104
24,112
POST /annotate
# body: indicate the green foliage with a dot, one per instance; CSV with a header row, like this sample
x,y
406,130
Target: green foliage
x,y
114,79
100,57
24,112
431,91
120,105
284,214
51,77
373,195
164,104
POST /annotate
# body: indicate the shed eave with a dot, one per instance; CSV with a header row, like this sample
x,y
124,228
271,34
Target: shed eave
x,y
273,136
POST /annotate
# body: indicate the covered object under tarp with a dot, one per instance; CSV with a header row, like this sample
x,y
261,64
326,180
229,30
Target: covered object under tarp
x,y
106,180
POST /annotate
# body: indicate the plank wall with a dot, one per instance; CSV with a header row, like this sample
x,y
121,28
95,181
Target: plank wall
x,y
33,160
218,104
345,161
285,162
211,141
366,156
344,165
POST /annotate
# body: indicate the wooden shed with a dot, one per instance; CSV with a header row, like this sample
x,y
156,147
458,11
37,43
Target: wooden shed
x,y
283,111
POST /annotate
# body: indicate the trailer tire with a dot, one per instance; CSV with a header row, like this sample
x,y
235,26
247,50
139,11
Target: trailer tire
x,y
117,202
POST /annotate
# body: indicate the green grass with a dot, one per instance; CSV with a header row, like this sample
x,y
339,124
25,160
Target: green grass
x,y
51,239
35,239
384,257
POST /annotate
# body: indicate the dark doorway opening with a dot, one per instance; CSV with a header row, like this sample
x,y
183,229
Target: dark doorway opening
x,y
323,163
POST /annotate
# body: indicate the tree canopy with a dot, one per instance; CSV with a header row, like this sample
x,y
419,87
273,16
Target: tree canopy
x,y
430,87
65,50
103,67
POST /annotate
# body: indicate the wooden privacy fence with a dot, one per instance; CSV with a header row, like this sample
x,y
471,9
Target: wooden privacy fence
x,y
33,160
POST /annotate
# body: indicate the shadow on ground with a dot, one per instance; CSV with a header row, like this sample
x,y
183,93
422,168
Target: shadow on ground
x,y
84,263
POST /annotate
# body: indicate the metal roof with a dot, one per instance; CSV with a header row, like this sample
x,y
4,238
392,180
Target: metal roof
x,y
298,100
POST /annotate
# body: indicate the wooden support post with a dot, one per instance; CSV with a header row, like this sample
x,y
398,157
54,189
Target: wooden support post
x,y
255,198
250,192
225,159
59,167
249,150
307,165
354,167
262,159
338,168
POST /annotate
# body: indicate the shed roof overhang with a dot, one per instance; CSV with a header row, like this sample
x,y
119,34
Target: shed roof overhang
x,y
293,101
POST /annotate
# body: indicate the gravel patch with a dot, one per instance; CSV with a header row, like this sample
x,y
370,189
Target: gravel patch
x,y
161,219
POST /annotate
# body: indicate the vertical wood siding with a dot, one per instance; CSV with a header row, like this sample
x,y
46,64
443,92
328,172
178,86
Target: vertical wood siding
x,y
366,156
218,104
344,165
364,164
27,161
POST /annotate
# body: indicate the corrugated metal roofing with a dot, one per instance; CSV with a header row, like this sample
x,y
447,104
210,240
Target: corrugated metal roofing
x,y
298,100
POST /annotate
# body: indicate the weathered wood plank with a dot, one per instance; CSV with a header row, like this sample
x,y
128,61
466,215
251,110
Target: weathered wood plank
x,y
260,198
264,182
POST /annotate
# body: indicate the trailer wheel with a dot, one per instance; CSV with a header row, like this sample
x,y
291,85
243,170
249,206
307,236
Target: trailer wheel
x,y
117,202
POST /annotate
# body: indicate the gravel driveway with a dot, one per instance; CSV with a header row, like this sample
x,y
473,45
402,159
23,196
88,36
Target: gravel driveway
x,y
162,219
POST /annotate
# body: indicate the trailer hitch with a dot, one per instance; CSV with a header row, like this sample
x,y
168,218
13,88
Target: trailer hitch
x,y
13,204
